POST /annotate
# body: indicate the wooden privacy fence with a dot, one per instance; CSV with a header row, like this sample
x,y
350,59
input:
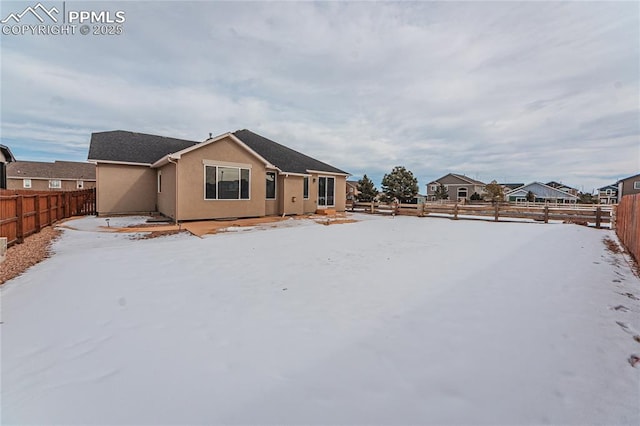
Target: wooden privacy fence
x,y
628,224
23,213
582,214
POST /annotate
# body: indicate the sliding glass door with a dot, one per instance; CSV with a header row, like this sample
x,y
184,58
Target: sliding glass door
x,y
326,191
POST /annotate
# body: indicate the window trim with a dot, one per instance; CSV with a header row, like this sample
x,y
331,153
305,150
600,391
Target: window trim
x,y
636,184
79,184
159,181
52,186
227,166
275,185
26,183
305,186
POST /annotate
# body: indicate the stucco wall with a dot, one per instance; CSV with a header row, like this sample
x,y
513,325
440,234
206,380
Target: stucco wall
x,y
291,195
167,195
191,199
125,189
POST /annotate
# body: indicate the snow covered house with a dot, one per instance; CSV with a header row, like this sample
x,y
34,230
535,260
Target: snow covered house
x,y
239,174
542,194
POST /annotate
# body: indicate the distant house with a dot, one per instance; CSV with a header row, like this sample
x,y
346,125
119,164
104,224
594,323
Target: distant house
x,y
5,157
459,187
627,186
562,187
239,174
608,194
56,176
542,193
506,187
352,190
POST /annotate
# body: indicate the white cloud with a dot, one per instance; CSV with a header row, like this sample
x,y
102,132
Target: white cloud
x,y
524,91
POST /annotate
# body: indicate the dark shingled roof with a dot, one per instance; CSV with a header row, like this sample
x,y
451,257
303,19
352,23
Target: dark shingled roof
x,y
130,147
6,153
59,170
286,159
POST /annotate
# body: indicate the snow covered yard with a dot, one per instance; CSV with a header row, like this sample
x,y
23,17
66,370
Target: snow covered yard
x,y
384,321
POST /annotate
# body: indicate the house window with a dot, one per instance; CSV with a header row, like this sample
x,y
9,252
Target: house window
x,y
159,174
636,184
226,183
55,184
271,185
79,184
608,192
305,187
462,192
26,183
434,188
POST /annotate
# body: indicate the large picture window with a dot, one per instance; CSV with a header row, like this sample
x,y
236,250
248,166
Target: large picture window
x,y
226,183
271,185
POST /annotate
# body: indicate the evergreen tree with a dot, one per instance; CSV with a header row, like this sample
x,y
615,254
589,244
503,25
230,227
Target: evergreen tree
x,y
495,193
441,192
400,184
476,197
366,189
531,197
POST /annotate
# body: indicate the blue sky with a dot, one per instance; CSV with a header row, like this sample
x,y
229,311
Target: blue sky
x,y
508,91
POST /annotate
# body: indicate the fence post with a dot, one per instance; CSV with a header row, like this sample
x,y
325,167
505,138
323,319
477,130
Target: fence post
x,y
598,217
546,214
38,225
455,211
19,224
496,213
372,208
48,210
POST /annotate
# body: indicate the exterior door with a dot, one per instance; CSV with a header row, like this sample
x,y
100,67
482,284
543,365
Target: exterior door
x,y
326,191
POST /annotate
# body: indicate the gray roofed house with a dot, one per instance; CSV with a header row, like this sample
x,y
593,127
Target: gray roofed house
x,y
45,176
459,187
608,194
542,194
239,174
628,186
5,157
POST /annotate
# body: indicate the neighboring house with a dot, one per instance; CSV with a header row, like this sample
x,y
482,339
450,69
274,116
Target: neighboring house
x,y
506,187
562,187
628,186
5,157
459,187
352,190
239,174
56,176
608,194
542,193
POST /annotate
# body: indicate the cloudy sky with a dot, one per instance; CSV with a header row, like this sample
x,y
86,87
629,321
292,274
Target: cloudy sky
x,y
508,91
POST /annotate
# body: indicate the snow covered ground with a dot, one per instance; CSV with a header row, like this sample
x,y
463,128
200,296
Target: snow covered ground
x,y
384,321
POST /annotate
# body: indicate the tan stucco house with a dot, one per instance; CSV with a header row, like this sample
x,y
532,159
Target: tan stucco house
x,y
51,176
239,174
